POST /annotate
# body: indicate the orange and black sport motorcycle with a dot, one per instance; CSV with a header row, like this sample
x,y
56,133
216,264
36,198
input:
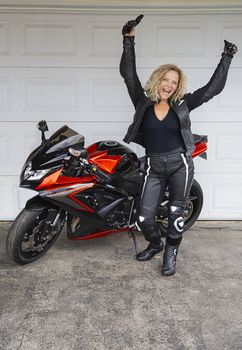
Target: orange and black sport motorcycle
x,y
96,190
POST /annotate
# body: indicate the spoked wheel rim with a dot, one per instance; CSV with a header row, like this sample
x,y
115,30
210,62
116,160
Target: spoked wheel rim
x,y
163,222
34,241
193,208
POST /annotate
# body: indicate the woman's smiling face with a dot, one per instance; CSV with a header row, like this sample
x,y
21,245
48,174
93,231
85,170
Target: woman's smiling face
x,y
168,84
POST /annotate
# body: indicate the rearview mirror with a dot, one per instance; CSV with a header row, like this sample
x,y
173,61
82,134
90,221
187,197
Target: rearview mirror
x,y
43,127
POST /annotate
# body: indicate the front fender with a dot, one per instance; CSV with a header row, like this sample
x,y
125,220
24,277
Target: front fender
x,y
37,204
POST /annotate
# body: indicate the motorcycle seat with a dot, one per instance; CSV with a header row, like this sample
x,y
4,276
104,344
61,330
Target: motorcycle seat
x,y
199,138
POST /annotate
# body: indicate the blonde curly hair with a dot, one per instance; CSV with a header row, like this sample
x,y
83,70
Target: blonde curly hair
x,y
153,84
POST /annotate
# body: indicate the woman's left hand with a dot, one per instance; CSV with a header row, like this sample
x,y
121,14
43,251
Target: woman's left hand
x,y
230,48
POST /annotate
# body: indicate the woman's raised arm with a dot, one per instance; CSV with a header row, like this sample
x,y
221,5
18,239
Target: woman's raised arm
x,y
128,62
216,82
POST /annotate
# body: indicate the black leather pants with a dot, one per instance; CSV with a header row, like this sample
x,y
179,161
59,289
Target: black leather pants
x,y
172,169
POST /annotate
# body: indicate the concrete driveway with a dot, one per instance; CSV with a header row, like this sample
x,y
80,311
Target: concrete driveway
x,y
94,295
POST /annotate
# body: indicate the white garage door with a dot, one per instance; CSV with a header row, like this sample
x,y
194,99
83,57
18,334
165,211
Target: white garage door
x,y
64,68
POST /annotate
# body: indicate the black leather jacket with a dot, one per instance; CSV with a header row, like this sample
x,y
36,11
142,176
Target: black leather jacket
x,y
189,101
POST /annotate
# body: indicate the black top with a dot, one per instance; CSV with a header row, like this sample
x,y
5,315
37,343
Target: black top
x,y
161,135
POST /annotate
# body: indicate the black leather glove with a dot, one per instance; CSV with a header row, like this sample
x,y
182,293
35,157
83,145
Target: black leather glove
x,y
127,28
230,48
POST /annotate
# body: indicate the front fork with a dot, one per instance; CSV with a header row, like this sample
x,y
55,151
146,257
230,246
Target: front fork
x,y
50,227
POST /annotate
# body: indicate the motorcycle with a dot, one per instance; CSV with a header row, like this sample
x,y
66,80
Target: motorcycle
x,y
96,190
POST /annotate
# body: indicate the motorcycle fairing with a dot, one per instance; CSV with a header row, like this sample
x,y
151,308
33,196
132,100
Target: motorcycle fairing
x,y
89,228
37,204
200,143
200,150
57,180
114,217
53,151
66,195
112,156
97,234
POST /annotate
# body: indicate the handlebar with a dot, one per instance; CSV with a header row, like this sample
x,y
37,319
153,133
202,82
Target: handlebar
x,y
94,170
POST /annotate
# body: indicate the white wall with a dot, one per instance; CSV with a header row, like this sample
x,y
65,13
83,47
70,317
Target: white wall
x,y
63,67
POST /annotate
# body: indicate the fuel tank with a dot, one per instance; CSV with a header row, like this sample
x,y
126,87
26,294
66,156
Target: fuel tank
x,y
113,157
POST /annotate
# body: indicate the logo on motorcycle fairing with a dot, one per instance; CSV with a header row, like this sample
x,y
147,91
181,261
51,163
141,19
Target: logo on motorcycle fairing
x,y
179,224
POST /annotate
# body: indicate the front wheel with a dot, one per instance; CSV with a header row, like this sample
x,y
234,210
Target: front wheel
x,y
33,233
192,211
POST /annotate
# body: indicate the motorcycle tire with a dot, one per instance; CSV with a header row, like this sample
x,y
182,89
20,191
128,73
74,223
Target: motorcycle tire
x,y
24,243
192,212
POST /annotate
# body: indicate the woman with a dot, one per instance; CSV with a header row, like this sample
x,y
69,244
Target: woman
x,y
161,124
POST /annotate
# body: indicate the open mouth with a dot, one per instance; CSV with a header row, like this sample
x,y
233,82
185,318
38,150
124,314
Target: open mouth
x,y
166,91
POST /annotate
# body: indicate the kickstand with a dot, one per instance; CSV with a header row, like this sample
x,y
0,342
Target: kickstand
x,y
132,235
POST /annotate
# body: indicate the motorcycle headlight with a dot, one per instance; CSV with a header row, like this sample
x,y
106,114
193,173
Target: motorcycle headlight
x,y
33,175
38,174
27,171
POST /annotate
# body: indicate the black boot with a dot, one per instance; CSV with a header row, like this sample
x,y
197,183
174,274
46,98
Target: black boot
x,y
169,260
150,251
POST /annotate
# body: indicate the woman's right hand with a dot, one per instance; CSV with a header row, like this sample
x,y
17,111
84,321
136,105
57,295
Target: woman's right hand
x,y
129,27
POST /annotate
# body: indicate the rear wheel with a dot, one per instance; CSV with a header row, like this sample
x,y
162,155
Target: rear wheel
x,y
192,211
33,233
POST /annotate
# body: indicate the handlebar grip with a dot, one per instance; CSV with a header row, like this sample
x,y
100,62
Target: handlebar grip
x,y
102,177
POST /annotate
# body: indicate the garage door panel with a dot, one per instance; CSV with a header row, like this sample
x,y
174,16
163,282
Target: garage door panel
x,y
102,37
3,38
8,188
10,152
230,100
221,191
166,42
34,40
42,38
3,148
16,142
224,148
222,196
207,115
231,32
14,197
4,94
109,95
228,148
172,39
49,94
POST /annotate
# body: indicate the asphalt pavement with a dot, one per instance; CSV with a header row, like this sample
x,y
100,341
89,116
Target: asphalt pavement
x,y
94,295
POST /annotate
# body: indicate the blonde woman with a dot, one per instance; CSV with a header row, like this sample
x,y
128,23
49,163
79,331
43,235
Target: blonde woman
x,y
161,124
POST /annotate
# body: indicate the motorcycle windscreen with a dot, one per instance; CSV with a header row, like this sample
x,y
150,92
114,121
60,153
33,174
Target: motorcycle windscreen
x,y
55,149
63,139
